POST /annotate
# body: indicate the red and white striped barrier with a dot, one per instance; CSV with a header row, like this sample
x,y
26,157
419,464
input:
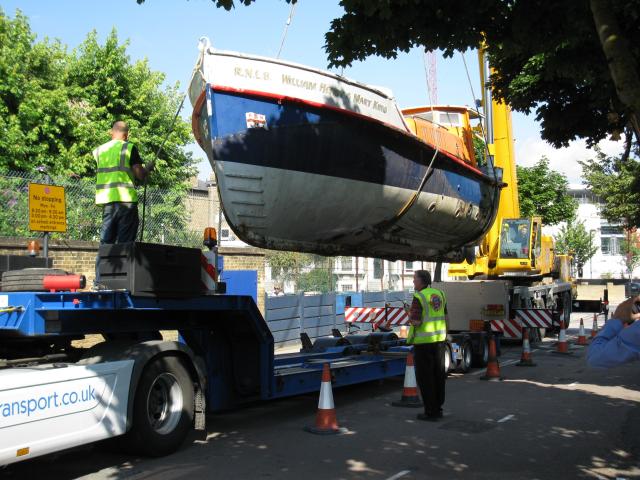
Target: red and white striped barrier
x,y
208,270
376,315
535,317
527,317
510,328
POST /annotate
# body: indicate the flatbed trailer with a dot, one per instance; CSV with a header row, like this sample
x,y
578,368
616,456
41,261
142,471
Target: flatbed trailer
x,y
152,391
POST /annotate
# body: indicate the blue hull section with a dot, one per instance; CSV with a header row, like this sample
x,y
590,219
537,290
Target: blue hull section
x,y
314,179
324,142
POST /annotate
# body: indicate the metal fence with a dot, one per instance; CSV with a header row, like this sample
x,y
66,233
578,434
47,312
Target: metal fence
x,y
174,216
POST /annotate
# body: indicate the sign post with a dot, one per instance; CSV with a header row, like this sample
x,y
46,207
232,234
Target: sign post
x,y
47,210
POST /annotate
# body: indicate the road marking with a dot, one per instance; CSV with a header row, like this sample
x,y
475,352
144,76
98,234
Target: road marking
x,y
399,475
505,419
502,364
509,362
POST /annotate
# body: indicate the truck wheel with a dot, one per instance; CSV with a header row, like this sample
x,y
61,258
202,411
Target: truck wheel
x,y
27,279
466,357
447,358
481,358
163,408
566,308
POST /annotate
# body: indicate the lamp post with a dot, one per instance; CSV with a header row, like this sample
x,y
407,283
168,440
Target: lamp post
x,y
591,257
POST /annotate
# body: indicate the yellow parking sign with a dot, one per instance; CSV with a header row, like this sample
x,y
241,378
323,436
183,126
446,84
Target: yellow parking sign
x,y
47,208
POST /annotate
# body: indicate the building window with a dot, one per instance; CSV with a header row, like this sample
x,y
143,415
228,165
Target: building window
x,y
347,287
409,266
611,239
346,264
377,268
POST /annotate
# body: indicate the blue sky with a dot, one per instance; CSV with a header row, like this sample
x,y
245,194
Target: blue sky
x,y
166,32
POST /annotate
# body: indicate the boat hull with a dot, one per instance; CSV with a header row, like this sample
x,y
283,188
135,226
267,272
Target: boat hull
x,y
300,177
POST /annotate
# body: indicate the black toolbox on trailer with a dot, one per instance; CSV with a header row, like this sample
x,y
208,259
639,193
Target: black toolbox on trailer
x,y
150,269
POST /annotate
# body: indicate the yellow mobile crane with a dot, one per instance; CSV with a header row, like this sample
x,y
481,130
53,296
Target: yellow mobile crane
x,y
514,272
514,247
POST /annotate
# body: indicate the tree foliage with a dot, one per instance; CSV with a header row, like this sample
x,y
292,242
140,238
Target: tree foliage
x,y
547,55
631,251
575,63
57,106
617,184
308,272
573,239
543,192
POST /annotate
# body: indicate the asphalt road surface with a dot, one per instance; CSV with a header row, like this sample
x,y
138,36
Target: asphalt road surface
x,y
559,419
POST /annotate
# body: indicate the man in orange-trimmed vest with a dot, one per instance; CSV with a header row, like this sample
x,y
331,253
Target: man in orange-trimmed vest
x,y
428,334
118,164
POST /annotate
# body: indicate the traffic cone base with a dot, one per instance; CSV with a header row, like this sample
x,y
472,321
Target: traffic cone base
x,y
493,368
326,422
562,347
525,360
410,396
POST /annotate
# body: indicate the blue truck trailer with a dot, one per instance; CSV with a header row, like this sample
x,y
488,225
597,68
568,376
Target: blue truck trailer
x,y
151,391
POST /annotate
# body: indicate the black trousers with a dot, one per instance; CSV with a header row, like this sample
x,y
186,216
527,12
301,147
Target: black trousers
x,y
119,222
430,375
119,225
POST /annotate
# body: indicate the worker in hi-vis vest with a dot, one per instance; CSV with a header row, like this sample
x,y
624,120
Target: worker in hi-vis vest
x,y
428,334
118,164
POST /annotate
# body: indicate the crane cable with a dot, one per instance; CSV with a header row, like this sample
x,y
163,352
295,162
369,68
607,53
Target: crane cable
x,y
286,28
414,197
490,163
155,158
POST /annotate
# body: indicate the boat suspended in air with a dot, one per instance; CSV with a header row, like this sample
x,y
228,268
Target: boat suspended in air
x,y
310,161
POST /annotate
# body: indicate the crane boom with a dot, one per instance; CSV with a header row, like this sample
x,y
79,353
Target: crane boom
x,y
513,247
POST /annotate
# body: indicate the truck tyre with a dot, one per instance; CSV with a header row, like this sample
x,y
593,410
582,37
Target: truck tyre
x,y
566,308
481,358
447,361
163,408
466,357
27,279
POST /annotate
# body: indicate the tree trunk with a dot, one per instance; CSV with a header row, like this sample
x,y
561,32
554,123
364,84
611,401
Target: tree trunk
x,y
622,65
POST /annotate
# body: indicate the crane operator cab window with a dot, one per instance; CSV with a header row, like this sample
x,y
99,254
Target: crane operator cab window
x,y
515,239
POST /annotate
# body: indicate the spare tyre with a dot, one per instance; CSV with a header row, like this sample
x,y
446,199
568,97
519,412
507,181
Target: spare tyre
x,y
27,279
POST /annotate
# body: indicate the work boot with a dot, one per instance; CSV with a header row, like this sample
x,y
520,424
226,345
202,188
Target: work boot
x,y
428,418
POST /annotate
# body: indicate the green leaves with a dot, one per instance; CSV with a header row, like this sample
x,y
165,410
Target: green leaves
x,y
56,106
543,192
617,183
547,55
573,239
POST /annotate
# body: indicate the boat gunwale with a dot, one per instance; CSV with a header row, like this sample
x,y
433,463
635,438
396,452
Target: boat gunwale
x,y
299,66
410,136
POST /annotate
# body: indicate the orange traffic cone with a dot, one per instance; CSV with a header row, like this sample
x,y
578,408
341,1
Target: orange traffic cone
x,y
525,360
594,327
493,369
410,396
582,337
562,345
326,422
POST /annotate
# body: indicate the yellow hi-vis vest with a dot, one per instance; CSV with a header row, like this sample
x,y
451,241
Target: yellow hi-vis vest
x,y
433,327
114,179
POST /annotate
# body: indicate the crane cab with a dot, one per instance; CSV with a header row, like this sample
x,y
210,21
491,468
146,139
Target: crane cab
x,y
523,249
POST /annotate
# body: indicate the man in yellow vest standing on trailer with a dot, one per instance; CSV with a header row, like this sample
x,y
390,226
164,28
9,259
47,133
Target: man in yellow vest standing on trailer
x,y
428,334
118,164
